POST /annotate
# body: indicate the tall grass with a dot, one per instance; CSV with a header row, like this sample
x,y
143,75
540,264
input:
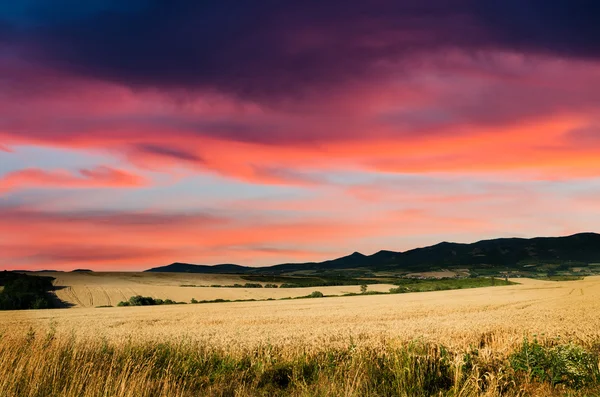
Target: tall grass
x,y
36,365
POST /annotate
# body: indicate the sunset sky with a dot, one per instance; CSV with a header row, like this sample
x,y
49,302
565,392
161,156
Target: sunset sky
x,y
138,133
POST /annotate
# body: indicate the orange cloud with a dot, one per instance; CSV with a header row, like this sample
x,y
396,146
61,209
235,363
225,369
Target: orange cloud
x,y
84,178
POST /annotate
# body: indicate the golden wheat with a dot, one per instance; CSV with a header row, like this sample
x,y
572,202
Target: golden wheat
x,y
108,289
240,348
455,318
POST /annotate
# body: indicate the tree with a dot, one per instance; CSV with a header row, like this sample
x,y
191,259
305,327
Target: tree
x,y
363,288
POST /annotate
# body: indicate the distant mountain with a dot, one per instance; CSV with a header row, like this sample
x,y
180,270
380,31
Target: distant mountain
x,y
81,271
503,253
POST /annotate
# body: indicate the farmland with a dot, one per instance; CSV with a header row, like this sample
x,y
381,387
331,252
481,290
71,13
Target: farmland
x,y
494,321
454,318
108,289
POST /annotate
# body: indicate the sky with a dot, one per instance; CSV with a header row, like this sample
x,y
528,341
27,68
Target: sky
x,y
135,134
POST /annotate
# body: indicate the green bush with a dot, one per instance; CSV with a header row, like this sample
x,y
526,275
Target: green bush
x,y
23,292
139,300
253,285
290,285
315,294
565,364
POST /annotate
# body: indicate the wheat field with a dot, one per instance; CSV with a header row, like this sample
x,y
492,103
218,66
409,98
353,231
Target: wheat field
x,y
92,289
450,343
456,318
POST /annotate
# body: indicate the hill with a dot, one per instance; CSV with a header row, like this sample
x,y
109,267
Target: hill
x,y
579,253
178,267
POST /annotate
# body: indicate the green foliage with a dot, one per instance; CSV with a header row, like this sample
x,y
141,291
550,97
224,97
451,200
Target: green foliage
x,y
194,301
419,285
253,285
139,300
269,285
23,292
315,294
567,364
363,288
399,290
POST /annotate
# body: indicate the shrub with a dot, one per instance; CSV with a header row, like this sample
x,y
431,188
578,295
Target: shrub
x,y
289,285
271,286
564,364
315,294
25,292
139,300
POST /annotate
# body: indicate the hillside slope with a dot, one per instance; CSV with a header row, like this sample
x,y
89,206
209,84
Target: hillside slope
x,y
550,255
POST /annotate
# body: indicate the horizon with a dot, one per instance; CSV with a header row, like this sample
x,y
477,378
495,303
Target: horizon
x,y
77,269
132,133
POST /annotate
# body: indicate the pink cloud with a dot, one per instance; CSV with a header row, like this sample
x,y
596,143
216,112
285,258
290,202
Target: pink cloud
x,y
514,117
84,178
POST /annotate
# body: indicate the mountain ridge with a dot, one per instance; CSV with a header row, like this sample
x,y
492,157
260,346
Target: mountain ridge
x,y
501,253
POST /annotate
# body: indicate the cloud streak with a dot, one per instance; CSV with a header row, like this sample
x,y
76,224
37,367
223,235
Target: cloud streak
x,y
83,178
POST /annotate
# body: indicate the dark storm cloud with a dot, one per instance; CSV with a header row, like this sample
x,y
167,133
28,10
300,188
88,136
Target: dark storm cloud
x,y
272,48
562,27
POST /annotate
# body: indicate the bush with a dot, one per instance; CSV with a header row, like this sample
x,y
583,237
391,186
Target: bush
x,y
271,286
23,291
564,364
289,285
315,294
139,300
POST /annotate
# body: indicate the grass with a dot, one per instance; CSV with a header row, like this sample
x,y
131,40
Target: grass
x,y
416,285
44,364
563,278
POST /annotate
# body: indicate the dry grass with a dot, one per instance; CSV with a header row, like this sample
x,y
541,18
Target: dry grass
x,y
253,338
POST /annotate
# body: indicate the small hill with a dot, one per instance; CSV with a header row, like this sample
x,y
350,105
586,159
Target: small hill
x,y
178,267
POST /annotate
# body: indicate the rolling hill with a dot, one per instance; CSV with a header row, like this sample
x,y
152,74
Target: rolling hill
x,y
550,255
